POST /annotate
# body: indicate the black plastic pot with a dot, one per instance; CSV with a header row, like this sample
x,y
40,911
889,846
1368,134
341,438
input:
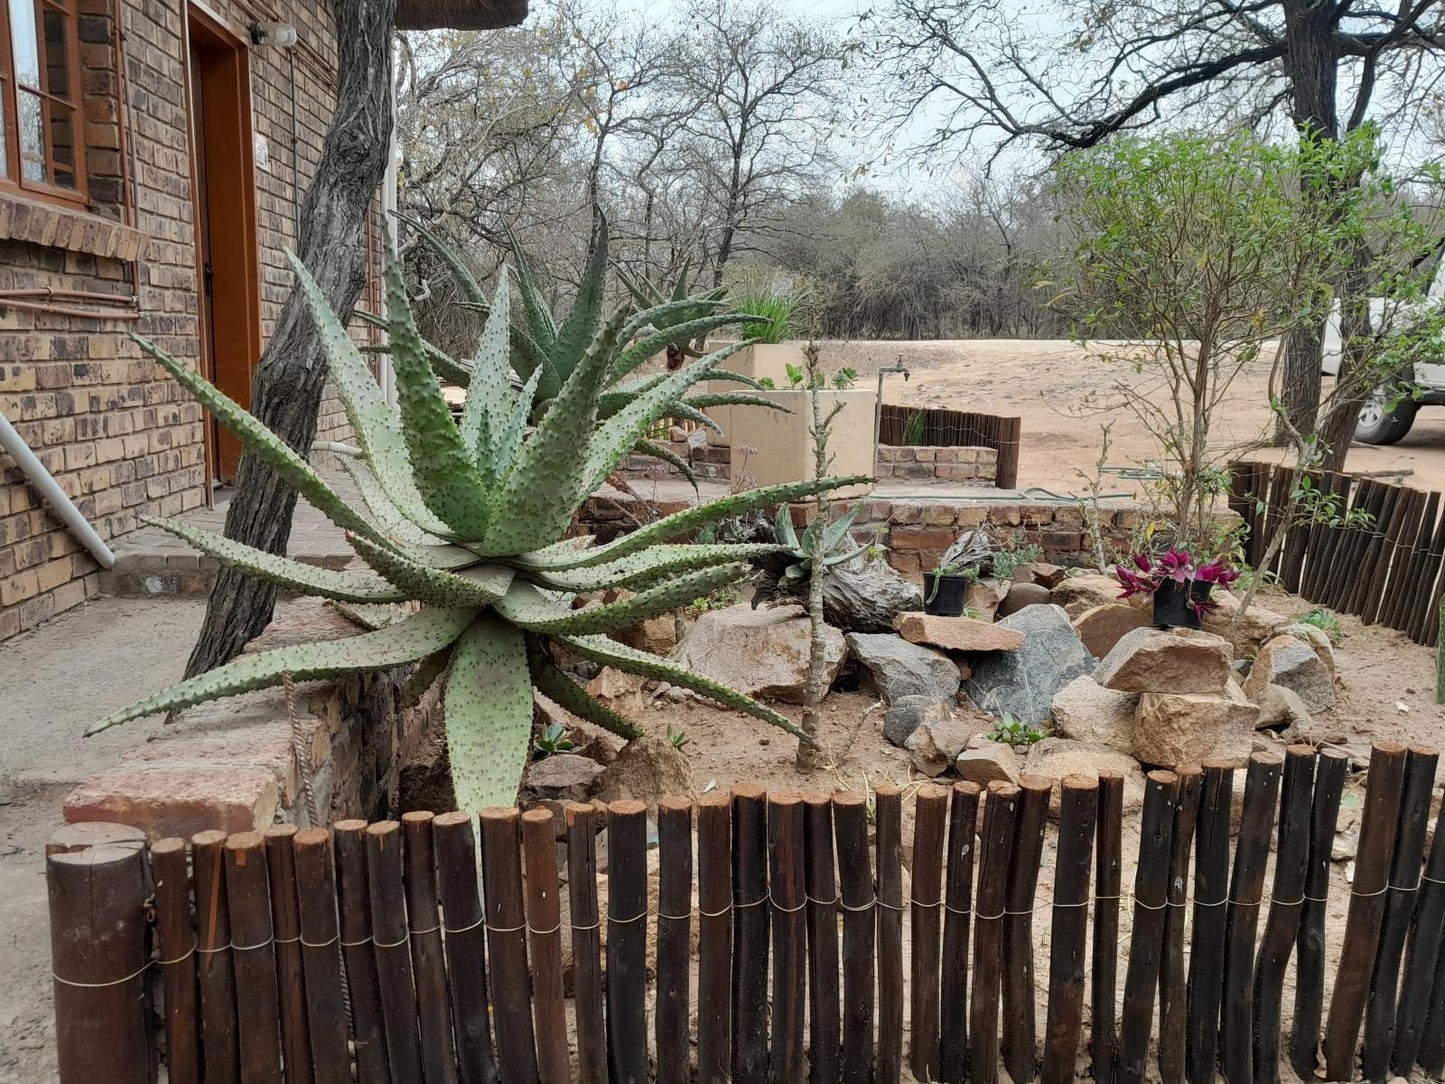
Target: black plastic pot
x,y
1171,604
943,596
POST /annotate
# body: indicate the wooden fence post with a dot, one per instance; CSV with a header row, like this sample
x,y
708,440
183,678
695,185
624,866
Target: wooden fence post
x,y
220,1044
930,812
750,934
176,943
1291,869
1108,883
1000,811
889,836
454,838
544,943
424,930
714,953
363,984
627,942
253,955
1310,947
1421,961
957,924
1400,899
507,945
1211,896
789,924
321,955
674,933
286,920
582,825
1173,979
824,1041
391,945
1068,943
1146,944
1367,908
1018,928
855,886
98,955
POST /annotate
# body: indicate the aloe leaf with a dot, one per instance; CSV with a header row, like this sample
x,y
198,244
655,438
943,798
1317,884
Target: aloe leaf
x,y
550,476
424,677
616,436
373,615
783,527
552,682
732,398
488,711
667,455
609,652
681,411
562,557
528,607
384,513
540,324
652,564
424,632
843,558
838,530
445,476
491,388
460,271
670,313
264,444
736,378
479,585
580,326
650,344
529,358
310,579
508,439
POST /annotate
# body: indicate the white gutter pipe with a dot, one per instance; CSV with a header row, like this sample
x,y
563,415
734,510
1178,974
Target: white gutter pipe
x,y
40,478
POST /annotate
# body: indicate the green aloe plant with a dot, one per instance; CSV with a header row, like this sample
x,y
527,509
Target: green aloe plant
x,y
464,528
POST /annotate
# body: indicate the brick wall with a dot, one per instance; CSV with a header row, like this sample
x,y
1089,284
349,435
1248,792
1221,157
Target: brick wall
x,y
121,438
972,466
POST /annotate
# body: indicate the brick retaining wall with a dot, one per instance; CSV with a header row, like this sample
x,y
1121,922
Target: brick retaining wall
x,y
975,466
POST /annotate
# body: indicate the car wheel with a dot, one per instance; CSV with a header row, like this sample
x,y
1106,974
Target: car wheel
x,y
1377,424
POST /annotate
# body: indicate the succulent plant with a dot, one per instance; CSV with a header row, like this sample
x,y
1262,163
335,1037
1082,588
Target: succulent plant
x,y
464,529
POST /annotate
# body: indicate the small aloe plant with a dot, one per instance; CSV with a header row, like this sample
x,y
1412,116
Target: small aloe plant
x,y
464,529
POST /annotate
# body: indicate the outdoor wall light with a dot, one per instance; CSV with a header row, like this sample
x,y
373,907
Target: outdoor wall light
x,y
279,34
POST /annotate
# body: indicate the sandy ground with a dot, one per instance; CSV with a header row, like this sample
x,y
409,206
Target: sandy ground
x,y
1047,382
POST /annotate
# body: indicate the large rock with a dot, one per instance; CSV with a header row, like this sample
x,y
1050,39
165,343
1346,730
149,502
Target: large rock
x,y
957,633
1054,758
1086,711
1280,709
1257,625
656,635
1316,638
934,745
900,669
562,776
1172,730
990,762
908,713
1166,661
763,653
1022,683
1021,595
1077,594
647,769
1296,665
982,598
1101,627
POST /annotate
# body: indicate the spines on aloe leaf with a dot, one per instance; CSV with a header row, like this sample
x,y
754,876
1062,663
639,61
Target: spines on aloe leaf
x,y
413,638
616,436
652,564
559,557
783,527
490,393
311,579
579,327
554,683
650,344
668,456
732,398
488,713
549,478
529,608
481,585
670,313
373,615
373,419
445,475
264,444
610,653
540,325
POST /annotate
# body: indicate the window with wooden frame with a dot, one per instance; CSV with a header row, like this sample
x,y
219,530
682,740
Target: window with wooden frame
x,y
43,149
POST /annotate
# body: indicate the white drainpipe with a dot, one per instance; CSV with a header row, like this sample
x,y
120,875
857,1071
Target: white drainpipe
x,y
40,478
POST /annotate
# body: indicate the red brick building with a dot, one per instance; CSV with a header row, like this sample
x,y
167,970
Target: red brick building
x,y
153,159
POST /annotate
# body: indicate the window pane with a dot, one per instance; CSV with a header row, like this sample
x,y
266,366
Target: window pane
x,y
25,41
32,137
57,56
64,136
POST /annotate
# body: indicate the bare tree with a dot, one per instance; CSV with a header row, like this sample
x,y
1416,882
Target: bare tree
x,y
978,72
286,387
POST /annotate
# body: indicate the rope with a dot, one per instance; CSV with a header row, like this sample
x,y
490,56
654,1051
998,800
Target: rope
x,y
101,985
464,929
298,748
321,944
181,958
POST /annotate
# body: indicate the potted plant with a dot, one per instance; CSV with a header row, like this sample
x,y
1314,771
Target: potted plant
x,y
1180,586
945,589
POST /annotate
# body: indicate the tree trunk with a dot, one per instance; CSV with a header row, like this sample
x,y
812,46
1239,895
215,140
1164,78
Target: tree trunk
x,y
1337,428
286,388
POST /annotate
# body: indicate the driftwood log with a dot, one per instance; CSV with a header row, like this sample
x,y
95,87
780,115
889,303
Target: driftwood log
x,y
857,597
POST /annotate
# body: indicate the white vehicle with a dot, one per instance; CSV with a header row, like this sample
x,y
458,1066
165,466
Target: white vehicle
x,y
1377,424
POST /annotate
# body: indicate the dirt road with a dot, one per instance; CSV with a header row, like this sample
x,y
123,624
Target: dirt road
x,y
1049,381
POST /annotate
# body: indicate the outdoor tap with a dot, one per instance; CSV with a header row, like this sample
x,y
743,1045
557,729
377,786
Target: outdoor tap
x,y
896,367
